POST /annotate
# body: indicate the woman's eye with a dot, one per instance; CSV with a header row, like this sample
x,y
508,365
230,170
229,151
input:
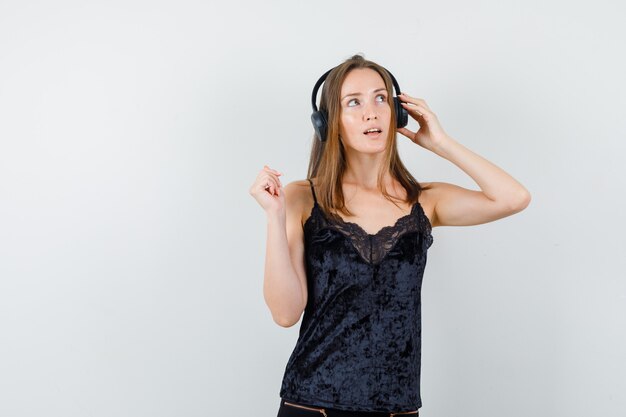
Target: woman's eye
x,y
381,99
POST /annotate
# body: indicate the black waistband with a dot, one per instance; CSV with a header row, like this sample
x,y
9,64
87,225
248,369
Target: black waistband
x,y
297,409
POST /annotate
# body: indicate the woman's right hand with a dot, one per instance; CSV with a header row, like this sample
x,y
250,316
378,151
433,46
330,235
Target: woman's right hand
x,y
268,191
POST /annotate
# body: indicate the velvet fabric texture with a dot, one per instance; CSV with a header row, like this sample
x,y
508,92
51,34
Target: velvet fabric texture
x,y
359,344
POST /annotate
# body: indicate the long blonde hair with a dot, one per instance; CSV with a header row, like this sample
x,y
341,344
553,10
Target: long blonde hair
x,y
327,162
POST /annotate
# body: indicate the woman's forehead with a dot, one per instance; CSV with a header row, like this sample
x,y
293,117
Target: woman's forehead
x,y
361,80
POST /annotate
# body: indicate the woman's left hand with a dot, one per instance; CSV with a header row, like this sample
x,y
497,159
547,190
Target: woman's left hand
x,y
430,135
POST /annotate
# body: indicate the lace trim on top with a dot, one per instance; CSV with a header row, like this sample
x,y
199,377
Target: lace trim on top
x,y
374,247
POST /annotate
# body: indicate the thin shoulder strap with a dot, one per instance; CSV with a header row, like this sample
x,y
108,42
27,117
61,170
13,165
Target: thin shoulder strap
x,y
313,191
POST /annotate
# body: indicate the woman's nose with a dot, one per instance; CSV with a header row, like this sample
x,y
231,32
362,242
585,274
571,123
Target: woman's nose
x,y
369,113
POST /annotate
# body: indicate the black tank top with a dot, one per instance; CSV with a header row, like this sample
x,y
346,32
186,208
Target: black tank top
x,y
359,343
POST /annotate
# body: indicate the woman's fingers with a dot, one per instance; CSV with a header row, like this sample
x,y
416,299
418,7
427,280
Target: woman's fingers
x,y
412,106
406,132
412,100
270,180
271,170
275,174
271,183
415,109
418,107
271,188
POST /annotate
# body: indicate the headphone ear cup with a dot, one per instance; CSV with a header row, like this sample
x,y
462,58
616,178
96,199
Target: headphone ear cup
x,y
402,116
320,124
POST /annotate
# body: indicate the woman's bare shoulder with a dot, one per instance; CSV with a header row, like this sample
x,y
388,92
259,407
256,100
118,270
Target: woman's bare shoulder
x,y
299,198
299,189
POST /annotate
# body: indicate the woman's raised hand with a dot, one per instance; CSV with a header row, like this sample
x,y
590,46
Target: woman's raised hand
x,y
268,190
430,134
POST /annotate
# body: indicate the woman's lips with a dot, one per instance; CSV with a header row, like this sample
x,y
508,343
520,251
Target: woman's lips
x,y
373,135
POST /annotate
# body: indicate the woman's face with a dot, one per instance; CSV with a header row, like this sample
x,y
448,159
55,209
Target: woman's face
x,y
364,106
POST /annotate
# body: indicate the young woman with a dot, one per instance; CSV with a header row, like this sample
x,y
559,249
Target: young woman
x,y
347,246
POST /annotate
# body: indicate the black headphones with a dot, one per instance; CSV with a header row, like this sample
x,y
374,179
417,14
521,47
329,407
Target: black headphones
x,y
320,117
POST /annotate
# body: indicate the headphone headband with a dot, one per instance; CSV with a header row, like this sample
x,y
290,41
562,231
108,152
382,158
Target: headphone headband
x,y
325,75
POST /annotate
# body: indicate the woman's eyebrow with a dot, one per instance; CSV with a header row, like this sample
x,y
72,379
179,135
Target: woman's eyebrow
x,y
358,94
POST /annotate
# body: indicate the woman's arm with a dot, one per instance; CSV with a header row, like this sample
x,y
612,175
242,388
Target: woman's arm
x,y
284,284
500,196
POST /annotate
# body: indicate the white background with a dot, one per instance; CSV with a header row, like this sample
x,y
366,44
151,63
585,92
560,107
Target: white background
x,y
131,254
